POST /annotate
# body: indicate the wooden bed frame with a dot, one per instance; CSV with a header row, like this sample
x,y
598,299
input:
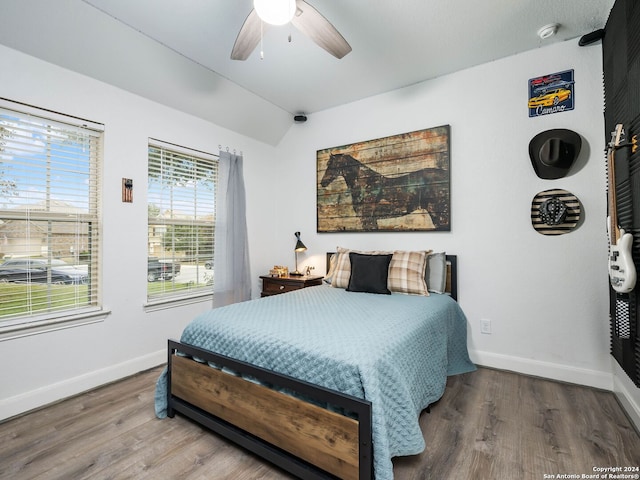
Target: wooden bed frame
x,y
292,432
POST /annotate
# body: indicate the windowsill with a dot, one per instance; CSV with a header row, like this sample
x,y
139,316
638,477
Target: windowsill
x,y
172,302
37,326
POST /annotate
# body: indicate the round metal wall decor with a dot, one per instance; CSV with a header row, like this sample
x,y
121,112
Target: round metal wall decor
x,y
555,212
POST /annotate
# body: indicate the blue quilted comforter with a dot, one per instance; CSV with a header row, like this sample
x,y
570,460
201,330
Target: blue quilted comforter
x,y
393,350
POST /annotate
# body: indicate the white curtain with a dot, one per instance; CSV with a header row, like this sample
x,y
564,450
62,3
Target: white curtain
x,y
232,276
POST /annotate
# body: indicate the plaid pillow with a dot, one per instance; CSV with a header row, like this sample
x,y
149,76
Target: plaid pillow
x,y
332,268
406,273
342,271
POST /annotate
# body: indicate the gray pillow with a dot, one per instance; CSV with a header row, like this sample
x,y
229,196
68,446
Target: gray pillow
x,y
436,272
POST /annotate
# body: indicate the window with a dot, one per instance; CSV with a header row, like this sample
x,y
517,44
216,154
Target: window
x,y
49,217
182,184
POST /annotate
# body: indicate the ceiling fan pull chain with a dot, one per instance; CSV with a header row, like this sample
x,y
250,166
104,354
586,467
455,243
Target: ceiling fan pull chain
x,y
261,49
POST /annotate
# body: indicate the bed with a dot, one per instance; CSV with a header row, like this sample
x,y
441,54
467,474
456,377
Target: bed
x,y
323,382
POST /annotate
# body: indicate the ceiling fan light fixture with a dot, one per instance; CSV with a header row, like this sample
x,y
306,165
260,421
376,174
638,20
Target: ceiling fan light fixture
x,y
275,12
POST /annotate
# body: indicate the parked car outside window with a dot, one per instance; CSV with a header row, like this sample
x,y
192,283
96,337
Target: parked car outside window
x,y
36,270
162,269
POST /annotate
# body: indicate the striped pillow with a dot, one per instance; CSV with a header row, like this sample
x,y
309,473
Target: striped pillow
x,y
407,272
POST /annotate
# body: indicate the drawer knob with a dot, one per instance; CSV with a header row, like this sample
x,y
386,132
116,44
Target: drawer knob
x,y
281,287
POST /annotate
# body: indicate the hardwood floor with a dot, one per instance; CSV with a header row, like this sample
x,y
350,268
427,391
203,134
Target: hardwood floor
x,y
488,425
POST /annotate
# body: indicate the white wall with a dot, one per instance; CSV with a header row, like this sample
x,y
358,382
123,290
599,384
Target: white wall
x,y
38,369
546,296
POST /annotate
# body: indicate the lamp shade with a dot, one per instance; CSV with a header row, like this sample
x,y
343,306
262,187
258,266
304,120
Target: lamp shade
x,y
300,247
275,12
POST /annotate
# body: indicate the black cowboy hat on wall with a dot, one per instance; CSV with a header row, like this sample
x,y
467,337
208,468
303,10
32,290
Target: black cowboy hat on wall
x,y
553,152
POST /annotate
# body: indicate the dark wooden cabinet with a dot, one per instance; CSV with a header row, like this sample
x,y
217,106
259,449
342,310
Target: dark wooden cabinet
x,y
276,285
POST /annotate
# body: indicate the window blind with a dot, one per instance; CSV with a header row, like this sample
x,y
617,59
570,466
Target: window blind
x,y
49,215
181,213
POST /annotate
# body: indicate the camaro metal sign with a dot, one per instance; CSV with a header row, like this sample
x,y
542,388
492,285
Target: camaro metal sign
x,y
553,93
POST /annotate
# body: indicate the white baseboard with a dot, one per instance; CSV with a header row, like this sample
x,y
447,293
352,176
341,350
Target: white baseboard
x,y
40,397
627,393
553,371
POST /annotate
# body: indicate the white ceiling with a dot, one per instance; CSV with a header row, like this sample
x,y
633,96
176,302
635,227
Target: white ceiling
x,y
395,44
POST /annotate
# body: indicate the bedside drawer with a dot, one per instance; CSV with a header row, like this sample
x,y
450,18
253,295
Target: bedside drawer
x,y
278,285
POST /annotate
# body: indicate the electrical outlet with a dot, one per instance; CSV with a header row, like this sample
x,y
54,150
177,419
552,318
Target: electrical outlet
x,y
485,326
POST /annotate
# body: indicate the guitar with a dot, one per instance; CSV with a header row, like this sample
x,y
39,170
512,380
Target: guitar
x,y
622,271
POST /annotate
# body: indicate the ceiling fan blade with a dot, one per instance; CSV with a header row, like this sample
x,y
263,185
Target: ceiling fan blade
x,y
248,37
311,22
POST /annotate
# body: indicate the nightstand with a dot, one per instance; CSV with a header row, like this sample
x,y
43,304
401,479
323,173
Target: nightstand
x,y
276,285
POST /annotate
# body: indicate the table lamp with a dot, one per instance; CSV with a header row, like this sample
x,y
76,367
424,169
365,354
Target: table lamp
x,y
300,247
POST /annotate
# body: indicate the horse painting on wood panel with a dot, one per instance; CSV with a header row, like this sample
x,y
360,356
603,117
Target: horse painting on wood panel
x,y
397,183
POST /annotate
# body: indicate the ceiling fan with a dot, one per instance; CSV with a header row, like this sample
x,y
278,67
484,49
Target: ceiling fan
x,y
303,16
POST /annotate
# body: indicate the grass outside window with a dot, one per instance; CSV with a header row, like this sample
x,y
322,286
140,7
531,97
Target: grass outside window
x,y
25,299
